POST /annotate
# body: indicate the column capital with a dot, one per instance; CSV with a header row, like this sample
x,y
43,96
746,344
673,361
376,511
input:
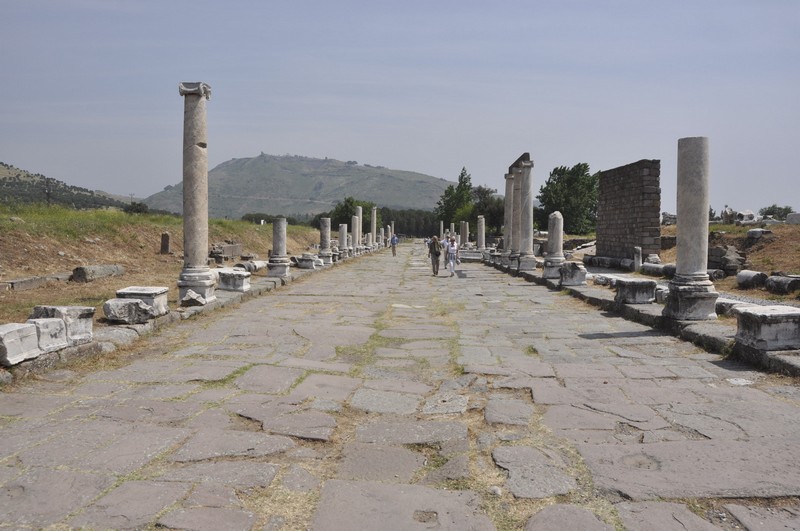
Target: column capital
x,y
186,88
509,176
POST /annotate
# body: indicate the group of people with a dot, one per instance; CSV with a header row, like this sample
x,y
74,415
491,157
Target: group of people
x,y
448,248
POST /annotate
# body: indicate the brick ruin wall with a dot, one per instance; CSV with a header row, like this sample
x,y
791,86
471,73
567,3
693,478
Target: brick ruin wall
x,y
629,210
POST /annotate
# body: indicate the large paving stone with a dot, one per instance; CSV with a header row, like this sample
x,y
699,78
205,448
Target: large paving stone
x,y
399,385
647,516
717,468
134,450
44,496
153,411
446,404
283,418
373,505
379,463
268,379
766,518
229,443
208,519
239,474
373,401
131,505
421,432
326,386
508,411
531,473
565,517
455,468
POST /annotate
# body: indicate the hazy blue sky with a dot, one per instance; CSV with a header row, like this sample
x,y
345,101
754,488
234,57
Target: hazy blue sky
x,y
90,87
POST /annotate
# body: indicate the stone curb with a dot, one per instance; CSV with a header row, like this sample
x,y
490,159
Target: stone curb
x,y
711,336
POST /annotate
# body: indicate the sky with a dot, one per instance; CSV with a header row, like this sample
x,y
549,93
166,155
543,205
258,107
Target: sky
x,y
89,88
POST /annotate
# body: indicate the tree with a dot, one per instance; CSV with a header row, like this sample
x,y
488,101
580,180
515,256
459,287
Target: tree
x,y
344,211
776,212
454,198
489,205
573,192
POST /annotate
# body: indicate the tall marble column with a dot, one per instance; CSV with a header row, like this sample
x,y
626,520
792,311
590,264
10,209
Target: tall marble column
x,y
481,233
358,232
343,252
325,253
527,261
392,228
354,234
278,265
555,246
441,230
389,235
196,277
373,225
691,294
382,238
462,238
508,216
516,220
452,229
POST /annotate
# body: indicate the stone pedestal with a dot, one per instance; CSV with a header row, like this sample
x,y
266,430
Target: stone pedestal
x,y
155,296
51,333
573,274
127,311
279,263
233,279
325,252
768,327
555,246
77,319
196,275
635,291
691,294
306,261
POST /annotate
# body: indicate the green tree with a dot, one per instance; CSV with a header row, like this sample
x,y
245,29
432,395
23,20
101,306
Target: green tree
x,y
776,212
344,211
573,192
454,198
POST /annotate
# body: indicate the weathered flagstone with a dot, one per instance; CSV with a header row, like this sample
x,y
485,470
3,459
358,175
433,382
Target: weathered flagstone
x,y
508,411
766,518
445,404
422,432
298,479
44,496
375,462
131,505
229,443
707,469
455,468
155,411
399,385
562,516
268,379
310,424
373,401
239,474
373,505
647,516
532,474
208,518
326,386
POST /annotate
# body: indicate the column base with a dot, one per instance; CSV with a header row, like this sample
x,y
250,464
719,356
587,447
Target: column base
x,y
327,257
691,300
200,281
278,267
552,268
527,263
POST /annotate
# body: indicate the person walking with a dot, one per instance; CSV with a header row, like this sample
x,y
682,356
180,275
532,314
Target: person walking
x,y
452,255
434,250
394,244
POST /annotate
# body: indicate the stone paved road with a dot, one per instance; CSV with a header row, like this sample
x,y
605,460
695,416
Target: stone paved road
x,y
374,396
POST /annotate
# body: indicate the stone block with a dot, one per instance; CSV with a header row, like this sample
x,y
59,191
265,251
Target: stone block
x,y
51,333
573,274
78,320
635,291
793,218
128,311
231,279
768,327
93,272
18,342
155,296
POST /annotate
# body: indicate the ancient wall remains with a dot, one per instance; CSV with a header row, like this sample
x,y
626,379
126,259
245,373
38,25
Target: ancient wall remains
x,y
628,210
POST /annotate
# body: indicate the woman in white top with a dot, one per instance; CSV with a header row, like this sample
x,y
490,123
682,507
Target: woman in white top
x,y
452,255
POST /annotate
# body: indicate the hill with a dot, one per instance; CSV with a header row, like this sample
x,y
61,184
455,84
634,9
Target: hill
x,y
299,186
19,186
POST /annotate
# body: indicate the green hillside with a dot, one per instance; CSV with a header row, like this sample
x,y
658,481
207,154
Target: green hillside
x,y
19,186
302,186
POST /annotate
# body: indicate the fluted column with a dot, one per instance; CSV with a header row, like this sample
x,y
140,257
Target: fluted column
x,y
527,261
691,294
196,282
325,253
278,265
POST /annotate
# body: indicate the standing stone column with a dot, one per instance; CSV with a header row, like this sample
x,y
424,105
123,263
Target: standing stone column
x,y
508,218
516,220
357,233
462,238
555,246
373,226
691,294
388,236
382,238
343,253
354,234
481,233
527,261
325,253
196,282
278,265
392,228
441,230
